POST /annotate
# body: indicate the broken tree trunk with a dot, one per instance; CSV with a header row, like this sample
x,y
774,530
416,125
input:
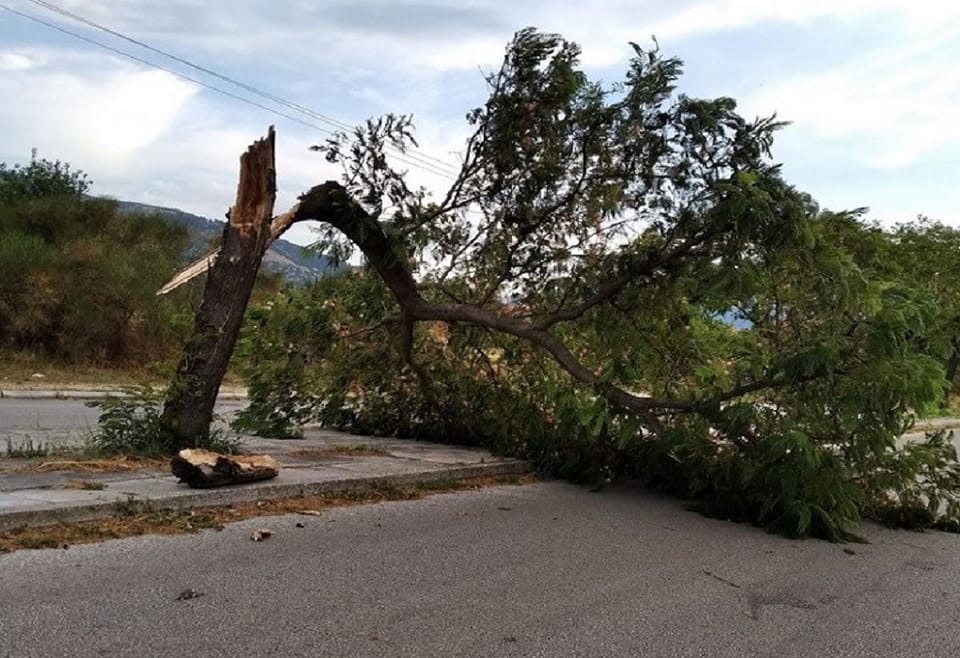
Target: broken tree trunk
x,y
202,469
188,410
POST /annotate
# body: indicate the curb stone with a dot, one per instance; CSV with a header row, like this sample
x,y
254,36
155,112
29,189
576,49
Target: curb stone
x,y
248,494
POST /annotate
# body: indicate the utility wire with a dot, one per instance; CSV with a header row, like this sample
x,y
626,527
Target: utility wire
x,y
209,86
426,159
162,68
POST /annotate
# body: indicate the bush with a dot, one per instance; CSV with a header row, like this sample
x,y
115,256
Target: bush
x,y
78,277
132,425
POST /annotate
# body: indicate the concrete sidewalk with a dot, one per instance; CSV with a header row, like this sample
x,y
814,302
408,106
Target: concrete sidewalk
x,y
322,462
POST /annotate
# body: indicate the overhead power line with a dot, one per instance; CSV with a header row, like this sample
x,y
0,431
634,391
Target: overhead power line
x,y
340,125
415,160
103,28
161,68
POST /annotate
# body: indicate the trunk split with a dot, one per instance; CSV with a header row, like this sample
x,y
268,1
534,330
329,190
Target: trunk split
x,y
188,411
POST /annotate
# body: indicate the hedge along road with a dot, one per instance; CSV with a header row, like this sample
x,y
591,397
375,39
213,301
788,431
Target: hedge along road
x,y
546,569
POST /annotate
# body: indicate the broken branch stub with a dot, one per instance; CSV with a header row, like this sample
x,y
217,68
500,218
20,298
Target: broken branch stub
x,y
278,226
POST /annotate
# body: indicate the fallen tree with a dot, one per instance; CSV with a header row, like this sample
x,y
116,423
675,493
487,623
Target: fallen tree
x,y
592,252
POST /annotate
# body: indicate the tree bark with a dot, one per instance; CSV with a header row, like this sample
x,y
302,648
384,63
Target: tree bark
x,y
189,406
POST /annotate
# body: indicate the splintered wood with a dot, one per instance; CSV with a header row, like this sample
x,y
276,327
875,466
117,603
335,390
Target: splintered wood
x,y
203,469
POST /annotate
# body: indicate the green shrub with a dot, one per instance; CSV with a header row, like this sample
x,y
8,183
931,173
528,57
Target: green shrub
x,y
132,425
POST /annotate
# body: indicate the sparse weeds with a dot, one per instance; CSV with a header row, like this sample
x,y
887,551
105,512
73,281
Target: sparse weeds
x,y
27,449
132,506
356,450
85,485
102,465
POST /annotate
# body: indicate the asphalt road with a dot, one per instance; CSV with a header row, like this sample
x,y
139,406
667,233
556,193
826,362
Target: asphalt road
x,y
61,422
542,570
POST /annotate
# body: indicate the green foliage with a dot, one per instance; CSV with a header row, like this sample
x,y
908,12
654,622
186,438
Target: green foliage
x,y
77,277
311,355
926,258
585,259
279,342
917,485
40,179
132,425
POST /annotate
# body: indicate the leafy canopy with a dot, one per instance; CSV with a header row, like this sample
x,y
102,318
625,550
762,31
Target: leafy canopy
x,y
40,178
567,300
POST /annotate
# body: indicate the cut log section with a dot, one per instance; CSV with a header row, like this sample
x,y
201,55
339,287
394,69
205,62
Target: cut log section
x,y
202,469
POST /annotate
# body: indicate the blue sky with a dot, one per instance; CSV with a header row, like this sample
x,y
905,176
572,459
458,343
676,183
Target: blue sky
x,y
872,86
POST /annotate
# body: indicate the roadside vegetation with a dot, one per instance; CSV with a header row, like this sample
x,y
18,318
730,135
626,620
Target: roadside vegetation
x,y
78,282
77,277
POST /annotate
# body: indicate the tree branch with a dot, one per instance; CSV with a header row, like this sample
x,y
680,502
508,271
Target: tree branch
x,y
406,343
330,203
614,286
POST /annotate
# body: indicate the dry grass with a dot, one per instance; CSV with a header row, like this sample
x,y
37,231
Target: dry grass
x,y
134,518
86,485
105,465
19,368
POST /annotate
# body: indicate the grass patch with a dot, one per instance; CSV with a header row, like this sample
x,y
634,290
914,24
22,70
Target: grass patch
x,y
134,517
19,368
132,507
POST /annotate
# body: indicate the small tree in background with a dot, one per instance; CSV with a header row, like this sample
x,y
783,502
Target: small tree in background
x,y
40,179
927,254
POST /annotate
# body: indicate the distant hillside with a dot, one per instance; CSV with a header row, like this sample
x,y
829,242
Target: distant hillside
x,y
291,261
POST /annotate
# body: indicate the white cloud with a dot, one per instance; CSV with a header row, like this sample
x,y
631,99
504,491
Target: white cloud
x,y
148,136
16,61
890,108
104,112
717,15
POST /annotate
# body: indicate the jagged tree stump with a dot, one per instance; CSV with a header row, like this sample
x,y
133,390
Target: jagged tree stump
x,y
188,409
